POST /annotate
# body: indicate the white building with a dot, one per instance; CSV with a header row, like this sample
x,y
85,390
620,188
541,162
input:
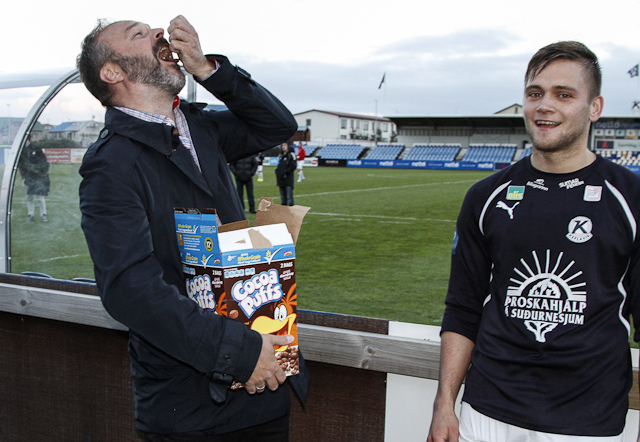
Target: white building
x,y
330,127
84,133
514,109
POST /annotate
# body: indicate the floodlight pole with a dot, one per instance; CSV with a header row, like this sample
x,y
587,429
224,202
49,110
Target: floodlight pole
x,y
191,88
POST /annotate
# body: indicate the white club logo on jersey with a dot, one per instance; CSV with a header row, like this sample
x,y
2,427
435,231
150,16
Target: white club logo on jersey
x,y
546,293
593,193
580,229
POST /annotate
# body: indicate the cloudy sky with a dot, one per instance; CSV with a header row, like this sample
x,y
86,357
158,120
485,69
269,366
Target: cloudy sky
x,y
452,57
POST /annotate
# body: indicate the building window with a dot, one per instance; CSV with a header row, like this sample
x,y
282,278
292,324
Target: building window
x,y
365,125
385,127
343,123
308,122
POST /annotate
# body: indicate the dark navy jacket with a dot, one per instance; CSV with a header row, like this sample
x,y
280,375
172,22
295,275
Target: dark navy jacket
x,y
182,357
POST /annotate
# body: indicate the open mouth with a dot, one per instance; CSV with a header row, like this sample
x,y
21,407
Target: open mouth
x,y
542,123
165,54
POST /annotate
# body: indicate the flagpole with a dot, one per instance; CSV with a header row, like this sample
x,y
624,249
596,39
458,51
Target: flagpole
x,y
634,72
384,99
638,89
375,131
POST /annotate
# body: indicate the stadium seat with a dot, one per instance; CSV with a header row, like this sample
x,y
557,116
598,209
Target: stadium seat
x,y
385,152
495,153
433,152
341,151
37,274
86,280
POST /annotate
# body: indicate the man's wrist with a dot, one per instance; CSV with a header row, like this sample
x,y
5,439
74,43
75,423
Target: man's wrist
x,y
212,68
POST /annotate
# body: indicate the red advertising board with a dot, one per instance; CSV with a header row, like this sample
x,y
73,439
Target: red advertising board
x,y
58,156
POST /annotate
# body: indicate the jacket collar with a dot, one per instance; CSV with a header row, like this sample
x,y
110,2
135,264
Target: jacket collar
x,y
159,137
155,135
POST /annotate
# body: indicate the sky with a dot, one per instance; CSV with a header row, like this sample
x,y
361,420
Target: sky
x,y
452,57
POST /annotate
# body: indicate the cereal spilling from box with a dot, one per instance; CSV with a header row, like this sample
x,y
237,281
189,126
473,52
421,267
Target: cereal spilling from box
x,y
245,273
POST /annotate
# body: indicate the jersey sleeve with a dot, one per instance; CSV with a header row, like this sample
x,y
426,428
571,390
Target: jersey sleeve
x,y
470,271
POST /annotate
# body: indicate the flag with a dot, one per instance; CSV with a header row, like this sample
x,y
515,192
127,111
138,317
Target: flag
x,y
633,71
383,75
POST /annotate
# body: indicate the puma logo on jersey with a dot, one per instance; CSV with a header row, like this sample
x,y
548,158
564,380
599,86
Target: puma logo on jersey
x,y
502,205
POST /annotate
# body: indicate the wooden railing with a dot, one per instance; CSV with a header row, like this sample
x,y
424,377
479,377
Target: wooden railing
x,y
339,346
55,324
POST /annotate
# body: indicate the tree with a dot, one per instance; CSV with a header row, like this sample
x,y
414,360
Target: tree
x,y
61,143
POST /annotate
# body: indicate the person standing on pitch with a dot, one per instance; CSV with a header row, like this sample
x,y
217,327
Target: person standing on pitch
x,y
301,156
284,174
34,169
243,170
260,166
545,274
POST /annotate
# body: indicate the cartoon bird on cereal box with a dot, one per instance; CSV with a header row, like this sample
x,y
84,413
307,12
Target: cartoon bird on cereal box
x,y
281,321
277,318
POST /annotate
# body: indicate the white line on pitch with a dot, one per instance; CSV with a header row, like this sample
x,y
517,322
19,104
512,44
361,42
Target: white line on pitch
x,y
381,217
382,188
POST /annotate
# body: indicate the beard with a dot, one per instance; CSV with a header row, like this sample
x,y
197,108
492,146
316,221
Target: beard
x,y
149,70
570,137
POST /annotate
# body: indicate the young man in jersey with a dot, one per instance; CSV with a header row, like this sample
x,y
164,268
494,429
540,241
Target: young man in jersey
x,y
545,274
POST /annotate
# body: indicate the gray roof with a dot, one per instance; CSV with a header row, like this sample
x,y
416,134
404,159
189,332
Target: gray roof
x,y
11,80
347,115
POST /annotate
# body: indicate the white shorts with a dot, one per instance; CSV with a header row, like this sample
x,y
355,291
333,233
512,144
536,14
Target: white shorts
x,y
476,427
300,164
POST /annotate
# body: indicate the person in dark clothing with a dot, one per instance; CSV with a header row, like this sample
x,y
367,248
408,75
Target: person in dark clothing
x,y
555,230
34,169
284,173
260,166
243,170
154,154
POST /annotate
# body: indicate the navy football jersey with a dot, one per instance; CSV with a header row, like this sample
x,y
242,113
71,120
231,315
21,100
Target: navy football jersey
x,y
544,278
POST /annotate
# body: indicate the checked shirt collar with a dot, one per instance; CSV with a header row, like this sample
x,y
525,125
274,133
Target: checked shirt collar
x,y
180,124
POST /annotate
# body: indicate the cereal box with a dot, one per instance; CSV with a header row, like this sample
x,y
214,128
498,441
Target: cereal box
x,y
245,273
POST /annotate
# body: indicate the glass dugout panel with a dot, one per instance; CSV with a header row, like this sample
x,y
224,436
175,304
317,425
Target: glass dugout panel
x,y
44,237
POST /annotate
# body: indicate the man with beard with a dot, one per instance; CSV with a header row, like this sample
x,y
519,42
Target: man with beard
x,y
545,274
154,154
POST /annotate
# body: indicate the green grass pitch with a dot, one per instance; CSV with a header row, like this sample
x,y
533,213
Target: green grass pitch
x,y
375,243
